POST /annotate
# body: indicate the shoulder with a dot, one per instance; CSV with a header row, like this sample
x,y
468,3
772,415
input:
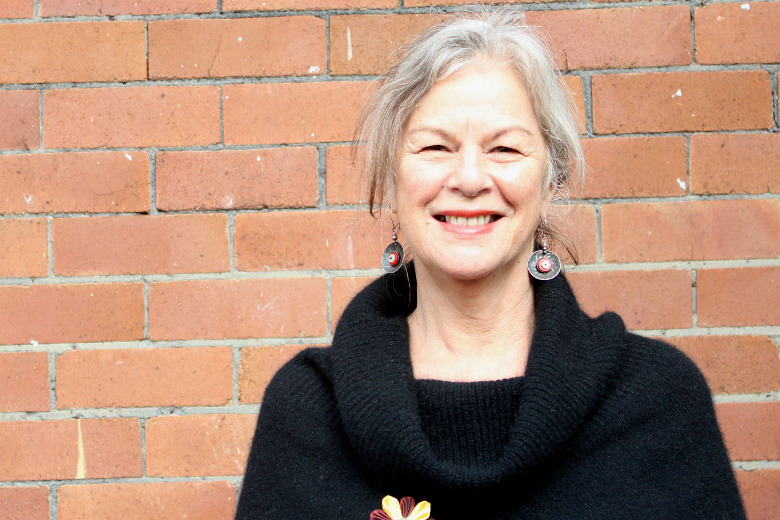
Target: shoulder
x,y
303,382
661,368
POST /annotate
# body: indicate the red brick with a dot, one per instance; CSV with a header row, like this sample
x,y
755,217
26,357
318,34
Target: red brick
x,y
738,33
617,38
258,366
24,382
661,231
131,116
344,182
634,167
74,182
43,52
307,240
24,503
24,247
237,179
719,163
71,313
738,297
368,44
422,3
198,445
136,244
293,5
574,84
734,364
255,308
118,7
342,290
750,429
760,490
148,501
17,9
644,299
70,449
576,226
313,112
681,101
145,377
215,48
20,114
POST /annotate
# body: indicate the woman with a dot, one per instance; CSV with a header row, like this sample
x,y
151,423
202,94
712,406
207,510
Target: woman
x,y
470,382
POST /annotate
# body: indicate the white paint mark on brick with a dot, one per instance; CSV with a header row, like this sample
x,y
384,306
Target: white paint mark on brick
x,y
314,69
128,157
677,94
746,7
81,465
681,183
349,44
28,198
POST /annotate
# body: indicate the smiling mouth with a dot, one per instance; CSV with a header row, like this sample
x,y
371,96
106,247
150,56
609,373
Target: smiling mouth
x,y
480,220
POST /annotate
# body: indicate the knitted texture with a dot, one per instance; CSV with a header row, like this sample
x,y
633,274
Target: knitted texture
x,y
605,424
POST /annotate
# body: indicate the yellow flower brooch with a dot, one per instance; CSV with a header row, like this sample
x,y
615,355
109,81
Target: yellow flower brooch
x,y
392,509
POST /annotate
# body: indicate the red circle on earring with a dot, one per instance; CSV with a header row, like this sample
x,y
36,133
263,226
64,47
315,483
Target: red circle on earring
x,y
392,258
544,265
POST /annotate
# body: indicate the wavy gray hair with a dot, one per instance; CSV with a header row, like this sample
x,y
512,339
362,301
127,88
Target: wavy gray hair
x,y
480,34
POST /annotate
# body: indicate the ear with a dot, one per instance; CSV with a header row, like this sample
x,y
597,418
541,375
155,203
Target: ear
x,y
389,198
547,198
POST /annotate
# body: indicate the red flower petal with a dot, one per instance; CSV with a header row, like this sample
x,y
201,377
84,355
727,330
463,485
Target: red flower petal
x,y
379,514
407,504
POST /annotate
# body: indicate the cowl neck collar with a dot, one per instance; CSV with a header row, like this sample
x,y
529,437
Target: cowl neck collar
x,y
570,362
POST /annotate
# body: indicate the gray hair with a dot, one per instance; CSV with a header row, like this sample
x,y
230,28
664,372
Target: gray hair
x,y
480,34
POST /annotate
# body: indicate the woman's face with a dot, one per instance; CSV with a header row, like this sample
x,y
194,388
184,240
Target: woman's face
x,y
470,164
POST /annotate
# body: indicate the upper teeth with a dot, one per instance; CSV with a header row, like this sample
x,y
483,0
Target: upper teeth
x,y
469,221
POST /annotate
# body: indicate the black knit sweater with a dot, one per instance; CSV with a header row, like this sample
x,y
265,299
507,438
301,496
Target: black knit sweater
x,y
604,425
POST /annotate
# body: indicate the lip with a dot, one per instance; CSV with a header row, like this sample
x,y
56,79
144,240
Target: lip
x,y
467,230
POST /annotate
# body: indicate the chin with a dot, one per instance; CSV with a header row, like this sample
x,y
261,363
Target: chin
x,y
468,270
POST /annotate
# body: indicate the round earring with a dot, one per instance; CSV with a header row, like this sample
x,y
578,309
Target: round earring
x,y
393,257
543,264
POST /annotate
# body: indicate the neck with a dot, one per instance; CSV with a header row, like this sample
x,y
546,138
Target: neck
x,y
471,330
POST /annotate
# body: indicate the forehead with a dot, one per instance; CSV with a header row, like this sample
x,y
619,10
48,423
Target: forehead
x,y
482,94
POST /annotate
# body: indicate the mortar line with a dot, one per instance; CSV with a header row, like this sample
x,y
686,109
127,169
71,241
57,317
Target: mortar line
x,y
688,191
51,359
599,245
774,85
588,99
321,177
237,351
146,310
231,240
146,50
53,491
152,154
694,302
50,245
40,122
693,33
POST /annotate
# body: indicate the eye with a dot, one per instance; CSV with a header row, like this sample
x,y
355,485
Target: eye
x,y
504,149
434,148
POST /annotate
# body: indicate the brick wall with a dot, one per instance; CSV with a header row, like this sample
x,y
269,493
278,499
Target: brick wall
x,y
178,217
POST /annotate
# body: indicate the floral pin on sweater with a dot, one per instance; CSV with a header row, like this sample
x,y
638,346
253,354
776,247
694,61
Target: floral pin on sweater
x,y
392,509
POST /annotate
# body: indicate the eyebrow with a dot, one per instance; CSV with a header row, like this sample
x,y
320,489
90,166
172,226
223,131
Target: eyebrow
x,y
495,134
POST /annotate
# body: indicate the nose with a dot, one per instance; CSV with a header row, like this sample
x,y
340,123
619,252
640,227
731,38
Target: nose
x,y
470,175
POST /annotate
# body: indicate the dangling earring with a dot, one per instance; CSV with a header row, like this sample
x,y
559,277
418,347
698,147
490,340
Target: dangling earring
x,y
393,257
543,264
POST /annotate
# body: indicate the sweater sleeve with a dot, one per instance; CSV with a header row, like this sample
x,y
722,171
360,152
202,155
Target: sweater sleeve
x,y
300,463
